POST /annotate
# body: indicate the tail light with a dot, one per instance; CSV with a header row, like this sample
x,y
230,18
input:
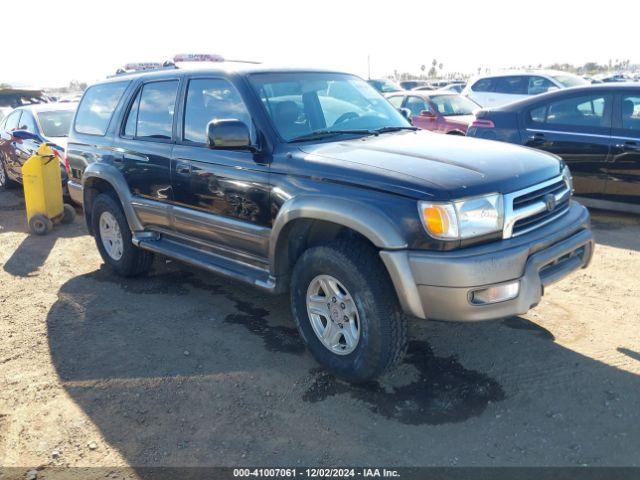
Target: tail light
x,y
66,164
483,123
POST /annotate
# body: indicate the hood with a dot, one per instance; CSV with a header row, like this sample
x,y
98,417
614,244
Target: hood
x,y
424,163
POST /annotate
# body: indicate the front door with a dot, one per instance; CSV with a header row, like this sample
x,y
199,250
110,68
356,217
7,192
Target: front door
x,y
220,196
624,167
145,147
578,129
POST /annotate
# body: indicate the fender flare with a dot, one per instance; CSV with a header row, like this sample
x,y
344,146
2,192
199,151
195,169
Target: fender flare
x,y
365,219
113,177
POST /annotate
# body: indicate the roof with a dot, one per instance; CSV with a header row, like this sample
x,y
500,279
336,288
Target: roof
x,y
219,68
49,107
597,87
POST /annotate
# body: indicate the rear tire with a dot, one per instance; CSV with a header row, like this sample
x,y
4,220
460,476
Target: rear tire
x,y
113,239
360,274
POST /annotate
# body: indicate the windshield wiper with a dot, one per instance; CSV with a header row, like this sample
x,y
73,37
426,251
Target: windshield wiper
x,y
393,129
331,133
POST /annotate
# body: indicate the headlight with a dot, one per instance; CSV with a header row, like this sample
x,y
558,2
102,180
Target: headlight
x,y
471,217
566,175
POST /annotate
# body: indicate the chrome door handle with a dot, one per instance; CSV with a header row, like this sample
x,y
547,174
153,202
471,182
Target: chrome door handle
x,y
183,168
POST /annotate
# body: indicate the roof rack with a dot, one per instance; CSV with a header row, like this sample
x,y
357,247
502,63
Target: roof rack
x,y
131,68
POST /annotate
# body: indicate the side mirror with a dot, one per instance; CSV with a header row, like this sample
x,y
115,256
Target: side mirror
x,y
228,134
552,89
427,113
406,113
25,135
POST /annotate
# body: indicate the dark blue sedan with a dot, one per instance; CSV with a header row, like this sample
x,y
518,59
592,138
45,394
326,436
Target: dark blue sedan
x,y
595,129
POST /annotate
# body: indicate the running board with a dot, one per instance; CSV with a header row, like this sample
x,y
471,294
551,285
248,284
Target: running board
x,y
208,261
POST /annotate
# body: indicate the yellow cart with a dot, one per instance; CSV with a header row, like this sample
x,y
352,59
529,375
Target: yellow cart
x,y
43,192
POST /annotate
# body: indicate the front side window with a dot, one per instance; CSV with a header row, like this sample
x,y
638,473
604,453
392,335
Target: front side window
x,y
153,111
538,85
55,123
396,101
97,107
315,102
416,105
453,105
631,112
27,123
211,99
583,111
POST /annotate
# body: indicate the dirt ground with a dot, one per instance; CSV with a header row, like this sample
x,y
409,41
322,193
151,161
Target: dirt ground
x,y
187,369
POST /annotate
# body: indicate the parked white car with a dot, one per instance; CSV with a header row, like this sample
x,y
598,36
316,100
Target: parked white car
x,y
499,89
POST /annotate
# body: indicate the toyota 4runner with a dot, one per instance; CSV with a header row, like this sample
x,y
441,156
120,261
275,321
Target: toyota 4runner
x,y
311,182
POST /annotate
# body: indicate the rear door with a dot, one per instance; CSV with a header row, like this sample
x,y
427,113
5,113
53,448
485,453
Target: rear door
x,y
145,147
577,127
624,165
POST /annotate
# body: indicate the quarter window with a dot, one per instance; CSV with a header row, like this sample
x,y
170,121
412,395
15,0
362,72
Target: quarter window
x,y
97,107
154,110
211,99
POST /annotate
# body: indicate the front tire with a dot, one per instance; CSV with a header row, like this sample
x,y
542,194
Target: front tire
x,y
113,239
346,310
5,181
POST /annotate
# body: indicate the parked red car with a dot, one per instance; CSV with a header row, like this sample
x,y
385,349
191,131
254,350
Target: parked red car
x,y
438,111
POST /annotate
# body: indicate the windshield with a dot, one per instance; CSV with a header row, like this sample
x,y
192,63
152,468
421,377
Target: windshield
x,y
301,104
55,123
453,105
385,86
570,80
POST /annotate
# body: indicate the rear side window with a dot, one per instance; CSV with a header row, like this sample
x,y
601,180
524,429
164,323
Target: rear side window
x,y
97,107
151,116
516,85
27,123
484,85
12,121
583,111
631,112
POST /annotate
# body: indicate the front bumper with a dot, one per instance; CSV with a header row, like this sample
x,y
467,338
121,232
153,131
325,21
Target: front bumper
x,y
439,285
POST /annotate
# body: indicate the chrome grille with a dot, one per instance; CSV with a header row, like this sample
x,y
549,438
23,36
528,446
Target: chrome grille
x,y
526,210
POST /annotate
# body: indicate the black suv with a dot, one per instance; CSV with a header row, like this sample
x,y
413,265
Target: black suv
x,y
311,182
